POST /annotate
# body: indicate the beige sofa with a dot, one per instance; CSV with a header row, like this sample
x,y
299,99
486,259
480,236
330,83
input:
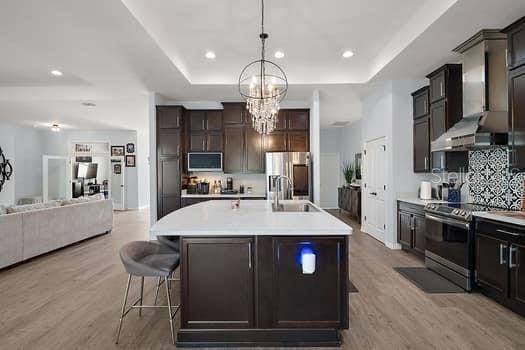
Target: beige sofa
x,y
29,233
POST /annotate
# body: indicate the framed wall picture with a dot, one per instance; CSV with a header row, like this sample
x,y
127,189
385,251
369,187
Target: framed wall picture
x,y
117,151
130,148
117,169
130,161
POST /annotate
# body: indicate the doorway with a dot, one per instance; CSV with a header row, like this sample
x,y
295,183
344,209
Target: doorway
x,y
56,178
117,183
374,179
330,179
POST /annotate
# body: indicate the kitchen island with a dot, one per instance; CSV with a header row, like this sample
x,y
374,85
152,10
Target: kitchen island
x,y
256,277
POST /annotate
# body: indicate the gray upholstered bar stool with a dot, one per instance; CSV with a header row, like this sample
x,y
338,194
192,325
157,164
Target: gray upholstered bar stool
x,y
168,244
148,259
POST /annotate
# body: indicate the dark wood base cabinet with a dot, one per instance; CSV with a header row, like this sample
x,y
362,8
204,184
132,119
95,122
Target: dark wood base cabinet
x,y
349,200
500,263
411,228
250,291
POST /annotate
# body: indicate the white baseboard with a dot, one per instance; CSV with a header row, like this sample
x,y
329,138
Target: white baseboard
x,y
393,246
144,207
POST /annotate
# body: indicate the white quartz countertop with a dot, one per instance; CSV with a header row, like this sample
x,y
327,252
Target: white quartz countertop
x,y
254,218
419,201
214,195
501,218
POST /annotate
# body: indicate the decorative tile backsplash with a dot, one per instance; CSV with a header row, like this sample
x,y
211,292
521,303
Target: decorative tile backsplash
x,y
490,180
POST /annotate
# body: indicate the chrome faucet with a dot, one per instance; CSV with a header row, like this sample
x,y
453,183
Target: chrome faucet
x,y
278,184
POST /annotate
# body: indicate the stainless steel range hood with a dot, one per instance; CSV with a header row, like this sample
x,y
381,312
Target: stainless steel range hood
x,y
485,111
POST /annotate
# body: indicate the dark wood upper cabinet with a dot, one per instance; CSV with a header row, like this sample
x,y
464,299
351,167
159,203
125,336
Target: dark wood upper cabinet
x,y
309,301
197,142
438,119
233,149
446,109
169,117
217,295
169,142
422,144
298,141
243,150
213,120
197,120
517,117
446,83
276,142
214,141
282,120
254,160
420,101
515,43
298,119
234,113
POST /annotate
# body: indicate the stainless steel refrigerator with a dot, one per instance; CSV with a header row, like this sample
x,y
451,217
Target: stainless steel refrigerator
x,y
296,167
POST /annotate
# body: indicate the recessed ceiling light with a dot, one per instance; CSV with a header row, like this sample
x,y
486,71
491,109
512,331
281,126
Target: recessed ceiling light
x,y
348,54
55,128
56,73
210,55
279,54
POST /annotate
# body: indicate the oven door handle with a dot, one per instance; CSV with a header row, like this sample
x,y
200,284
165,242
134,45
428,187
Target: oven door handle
x,y
448,221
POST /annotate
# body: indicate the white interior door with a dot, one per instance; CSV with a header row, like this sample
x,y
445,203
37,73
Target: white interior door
x,y
117,185
330,179
374,179
56,178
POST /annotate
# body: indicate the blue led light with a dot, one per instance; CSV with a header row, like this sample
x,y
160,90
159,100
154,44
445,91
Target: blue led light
x,y
304,248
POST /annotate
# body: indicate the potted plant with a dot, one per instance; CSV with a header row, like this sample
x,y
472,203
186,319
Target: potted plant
x,y
348,172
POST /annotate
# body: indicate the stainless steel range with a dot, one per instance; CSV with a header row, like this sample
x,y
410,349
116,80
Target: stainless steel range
x,y
450,241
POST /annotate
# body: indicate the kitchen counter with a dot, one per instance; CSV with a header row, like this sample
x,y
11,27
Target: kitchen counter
x,y
218,196
515,220
247,275
419,201
216,218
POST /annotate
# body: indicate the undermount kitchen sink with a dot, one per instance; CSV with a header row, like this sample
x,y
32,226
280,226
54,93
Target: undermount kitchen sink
x,y
295,207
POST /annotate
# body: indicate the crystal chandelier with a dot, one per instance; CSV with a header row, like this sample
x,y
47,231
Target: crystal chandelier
x,y
263,84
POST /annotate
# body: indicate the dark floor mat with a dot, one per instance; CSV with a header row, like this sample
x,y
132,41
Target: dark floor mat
x,y
352,288
428,281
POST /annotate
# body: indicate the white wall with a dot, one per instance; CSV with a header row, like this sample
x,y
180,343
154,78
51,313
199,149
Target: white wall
x,y
315,149
60,144
351,141
387,111
23,147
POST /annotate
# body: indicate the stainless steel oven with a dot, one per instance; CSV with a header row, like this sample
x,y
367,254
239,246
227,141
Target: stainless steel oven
x,y
450,247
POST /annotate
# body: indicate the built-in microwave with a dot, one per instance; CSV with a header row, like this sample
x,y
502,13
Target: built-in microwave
x,y
205,161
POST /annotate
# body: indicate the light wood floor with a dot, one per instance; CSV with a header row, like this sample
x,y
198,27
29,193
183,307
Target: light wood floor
x,y
71,299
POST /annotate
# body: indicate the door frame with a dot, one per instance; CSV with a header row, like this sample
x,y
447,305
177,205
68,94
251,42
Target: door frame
x,y
45,176
374,232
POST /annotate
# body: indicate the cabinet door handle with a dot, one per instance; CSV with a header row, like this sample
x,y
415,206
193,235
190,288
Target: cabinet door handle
x,y
441,88
442,161
203,146
203,125
426,162
502,254
250,255
509,232
413,223
512,253
178,149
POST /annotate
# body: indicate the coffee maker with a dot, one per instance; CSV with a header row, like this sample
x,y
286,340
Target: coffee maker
x,y
229,184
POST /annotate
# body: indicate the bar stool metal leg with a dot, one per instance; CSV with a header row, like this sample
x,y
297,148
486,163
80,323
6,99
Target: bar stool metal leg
x,y
157,291
166,282
141,294
123,308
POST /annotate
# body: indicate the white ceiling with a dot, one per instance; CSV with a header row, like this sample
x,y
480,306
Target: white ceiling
x,y
115,52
